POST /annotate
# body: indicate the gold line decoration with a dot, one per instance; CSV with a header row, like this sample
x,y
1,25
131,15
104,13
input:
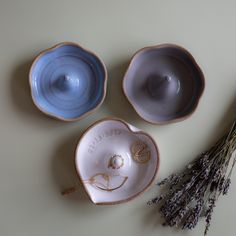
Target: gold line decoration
x,y
140,152
103,181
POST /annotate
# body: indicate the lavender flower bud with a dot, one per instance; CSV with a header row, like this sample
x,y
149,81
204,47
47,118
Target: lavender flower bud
x,y
221,184
166,180
204,160
193,218
226,186
178,217
217,175
155,200
209,214
205,173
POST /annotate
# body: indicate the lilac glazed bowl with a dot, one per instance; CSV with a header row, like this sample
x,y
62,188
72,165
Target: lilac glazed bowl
x,y
163,83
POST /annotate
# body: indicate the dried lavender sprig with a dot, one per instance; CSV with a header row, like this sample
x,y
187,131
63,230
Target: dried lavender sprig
x,y
200,184
194,215
209,212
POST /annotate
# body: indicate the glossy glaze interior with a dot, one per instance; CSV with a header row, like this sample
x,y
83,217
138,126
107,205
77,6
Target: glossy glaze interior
x,y
106,149
67,81
163,83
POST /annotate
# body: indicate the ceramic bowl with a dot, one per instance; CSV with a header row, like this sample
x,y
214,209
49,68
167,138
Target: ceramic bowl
x,y
67,81
163,83
115,161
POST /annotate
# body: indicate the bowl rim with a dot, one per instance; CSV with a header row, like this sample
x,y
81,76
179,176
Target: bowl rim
x,y
150,183
53,48
159,46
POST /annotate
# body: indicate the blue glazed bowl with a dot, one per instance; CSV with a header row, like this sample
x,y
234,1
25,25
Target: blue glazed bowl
x,y
68,82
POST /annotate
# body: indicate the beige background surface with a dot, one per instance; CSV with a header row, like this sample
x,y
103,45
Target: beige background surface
x,y
37,151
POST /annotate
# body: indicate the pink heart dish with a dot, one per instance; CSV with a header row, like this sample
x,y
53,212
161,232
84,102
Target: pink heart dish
x,y
115,161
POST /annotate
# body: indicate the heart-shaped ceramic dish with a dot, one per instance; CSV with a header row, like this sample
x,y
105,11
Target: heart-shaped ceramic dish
x,y
115,161
67,81
163,83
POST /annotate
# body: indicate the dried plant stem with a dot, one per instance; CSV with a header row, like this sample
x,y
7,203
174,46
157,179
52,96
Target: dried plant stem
x,y
68,191
194,192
